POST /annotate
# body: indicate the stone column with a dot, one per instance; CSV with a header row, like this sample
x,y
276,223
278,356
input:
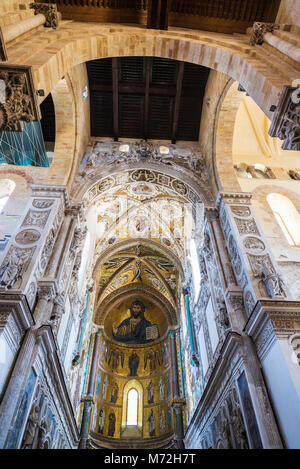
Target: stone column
x,y
12,31
229,286
178,411
60,246
176,391
88,400
178,401
17,381
263,411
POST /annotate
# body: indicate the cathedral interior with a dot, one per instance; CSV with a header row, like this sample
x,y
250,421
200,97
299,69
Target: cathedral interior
x,y
149,224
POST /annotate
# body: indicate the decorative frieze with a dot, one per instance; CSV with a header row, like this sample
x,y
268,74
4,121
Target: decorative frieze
x,y
21,103
286,121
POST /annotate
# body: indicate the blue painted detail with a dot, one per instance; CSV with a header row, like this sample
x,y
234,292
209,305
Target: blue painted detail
x,y
25,148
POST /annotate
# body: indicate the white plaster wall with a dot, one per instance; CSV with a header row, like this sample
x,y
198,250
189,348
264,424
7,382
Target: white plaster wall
x,y
212,328
6,359
70,348
63,323
203,352
283,393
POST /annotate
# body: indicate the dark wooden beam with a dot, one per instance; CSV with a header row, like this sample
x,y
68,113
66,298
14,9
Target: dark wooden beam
x,y
177,101
147,90
115,81
157,15
135,89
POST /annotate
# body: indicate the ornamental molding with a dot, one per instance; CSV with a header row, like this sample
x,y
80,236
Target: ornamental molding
x,y
17,306
21,100
286,120
104,159
273,320
233,198
51,191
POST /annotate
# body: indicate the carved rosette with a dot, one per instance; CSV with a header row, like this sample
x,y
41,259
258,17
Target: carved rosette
x,y
21,103
49,10
259,30
286,121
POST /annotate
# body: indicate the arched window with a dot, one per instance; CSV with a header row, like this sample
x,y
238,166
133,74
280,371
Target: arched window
x,y
195,267
132,410
132,407
6,188
286,216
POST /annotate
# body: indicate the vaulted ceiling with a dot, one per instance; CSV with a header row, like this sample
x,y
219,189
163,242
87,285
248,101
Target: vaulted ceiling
x,y
146,97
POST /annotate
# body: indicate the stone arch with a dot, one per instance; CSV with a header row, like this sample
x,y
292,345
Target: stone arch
x,y
224,173
74,43
80,42
197,190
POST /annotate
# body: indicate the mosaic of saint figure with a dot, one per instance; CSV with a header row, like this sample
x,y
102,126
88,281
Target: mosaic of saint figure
x,y
152,424
161,387
133,363
114,392
162,421
150,389
101,421
111,424
135,329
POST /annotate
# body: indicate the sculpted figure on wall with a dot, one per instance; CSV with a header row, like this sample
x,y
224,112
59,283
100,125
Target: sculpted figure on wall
x,y
31,427
12,271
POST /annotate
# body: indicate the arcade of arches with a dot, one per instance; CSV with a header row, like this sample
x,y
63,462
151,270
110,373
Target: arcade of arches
x,y
149,287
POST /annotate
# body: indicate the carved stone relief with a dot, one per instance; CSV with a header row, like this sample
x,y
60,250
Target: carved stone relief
x,y
36,218
27,236
259,30
240,211
49,11
294,341
254,244
14,265
42,203
246,226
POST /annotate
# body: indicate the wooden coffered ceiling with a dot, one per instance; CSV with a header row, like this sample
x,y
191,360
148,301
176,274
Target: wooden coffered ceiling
x,y
225,16
146,97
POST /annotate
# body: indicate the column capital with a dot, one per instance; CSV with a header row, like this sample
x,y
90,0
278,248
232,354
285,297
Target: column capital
x,y
49,11
47,290
211,213
259,30
21,104
286,121
229,198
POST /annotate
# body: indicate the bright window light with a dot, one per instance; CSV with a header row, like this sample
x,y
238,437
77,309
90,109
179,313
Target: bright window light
x,y
132,407
195,267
